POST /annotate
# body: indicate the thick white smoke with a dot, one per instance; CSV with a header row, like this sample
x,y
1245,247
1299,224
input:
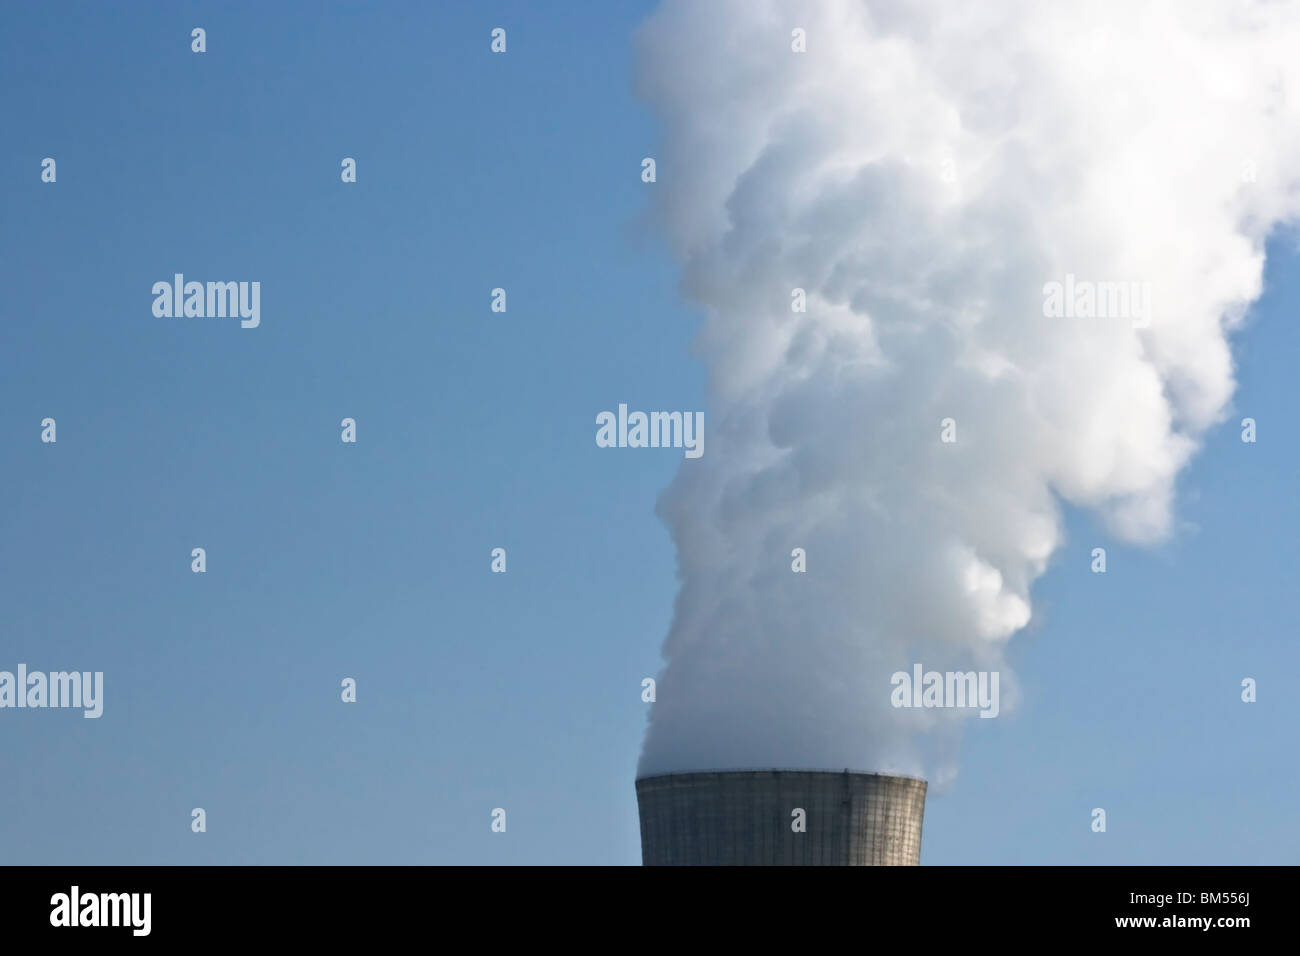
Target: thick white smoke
x,y
922,171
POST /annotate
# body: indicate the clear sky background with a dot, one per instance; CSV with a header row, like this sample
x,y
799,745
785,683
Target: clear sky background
x,y
475,431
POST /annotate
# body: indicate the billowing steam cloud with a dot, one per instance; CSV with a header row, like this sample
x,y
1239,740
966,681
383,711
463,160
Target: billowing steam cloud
x,y
923,171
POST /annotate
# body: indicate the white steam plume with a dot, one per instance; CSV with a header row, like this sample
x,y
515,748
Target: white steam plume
x,y
923,170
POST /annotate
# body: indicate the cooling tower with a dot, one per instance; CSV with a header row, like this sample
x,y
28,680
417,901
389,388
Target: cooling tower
x,y
750,818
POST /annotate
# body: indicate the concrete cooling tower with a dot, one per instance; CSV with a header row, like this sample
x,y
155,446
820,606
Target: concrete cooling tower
x,y
750,818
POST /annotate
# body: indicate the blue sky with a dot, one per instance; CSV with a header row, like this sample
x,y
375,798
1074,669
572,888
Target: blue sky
x,y
476,431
